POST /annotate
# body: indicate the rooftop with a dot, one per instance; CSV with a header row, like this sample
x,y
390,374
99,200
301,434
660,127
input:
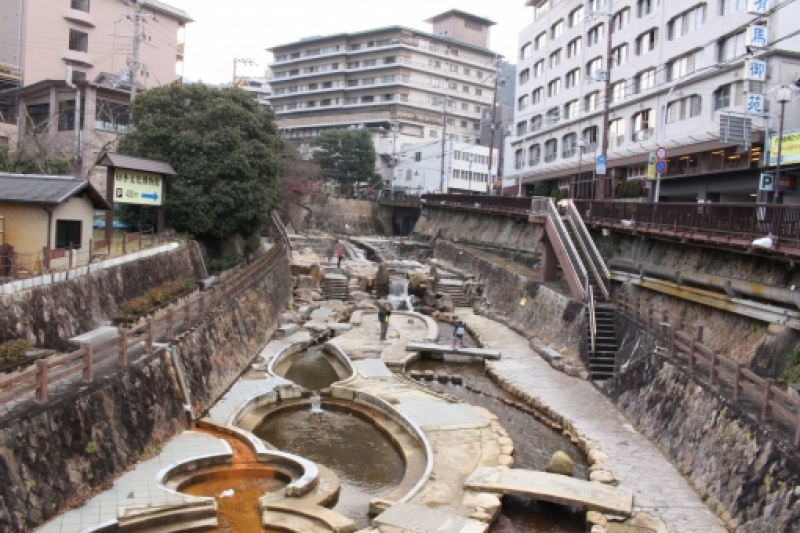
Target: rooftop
x,y
462,14
179,14
113,159
46,189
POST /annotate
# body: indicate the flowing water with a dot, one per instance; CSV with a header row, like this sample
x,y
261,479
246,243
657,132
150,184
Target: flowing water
x,y
398,294
312,370
367,463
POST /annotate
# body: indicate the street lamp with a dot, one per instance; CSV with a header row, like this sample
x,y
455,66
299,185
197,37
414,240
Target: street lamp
x,y
783,94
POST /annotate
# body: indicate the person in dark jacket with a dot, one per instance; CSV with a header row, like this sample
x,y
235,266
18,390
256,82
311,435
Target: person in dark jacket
x,y
459,328
383,317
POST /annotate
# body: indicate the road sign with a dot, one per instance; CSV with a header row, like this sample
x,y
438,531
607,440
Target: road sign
x,y
661,152
767,182
600,167
137,187
661,166
651,166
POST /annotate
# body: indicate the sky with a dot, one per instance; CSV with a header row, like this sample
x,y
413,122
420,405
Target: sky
x,y
228,29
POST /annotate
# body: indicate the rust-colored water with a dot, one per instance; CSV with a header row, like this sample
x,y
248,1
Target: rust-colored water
x,y
248,479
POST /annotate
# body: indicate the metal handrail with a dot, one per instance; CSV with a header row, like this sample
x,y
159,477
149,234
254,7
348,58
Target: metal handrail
x,y
573,258
592,318
596,263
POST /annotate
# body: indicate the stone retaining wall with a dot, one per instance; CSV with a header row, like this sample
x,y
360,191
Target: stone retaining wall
x,y
556,319
49,315
742,471
464,225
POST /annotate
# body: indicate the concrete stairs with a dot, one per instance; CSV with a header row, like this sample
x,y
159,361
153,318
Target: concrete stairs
x,y
454,288
335,287
602,360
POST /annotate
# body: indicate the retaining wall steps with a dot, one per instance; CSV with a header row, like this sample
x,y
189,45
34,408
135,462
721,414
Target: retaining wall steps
x,y
335,287
455,290
602,360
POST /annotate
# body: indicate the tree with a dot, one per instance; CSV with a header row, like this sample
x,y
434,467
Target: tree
x,y
225,150
347,155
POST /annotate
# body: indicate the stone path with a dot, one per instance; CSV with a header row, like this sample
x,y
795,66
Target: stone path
x,y
658,488
138,487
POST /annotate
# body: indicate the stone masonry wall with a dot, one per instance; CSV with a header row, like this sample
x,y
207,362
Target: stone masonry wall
x,y
552,317
57,454
460,225
49,315
742,471
217,351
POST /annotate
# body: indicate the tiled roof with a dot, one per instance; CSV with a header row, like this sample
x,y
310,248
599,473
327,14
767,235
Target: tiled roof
x,y
43,189
137,163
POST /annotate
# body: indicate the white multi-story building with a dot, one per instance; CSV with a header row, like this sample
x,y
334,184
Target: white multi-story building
x,y
392,81
466,168
678,68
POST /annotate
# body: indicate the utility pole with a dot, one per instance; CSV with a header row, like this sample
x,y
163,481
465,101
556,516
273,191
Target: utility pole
x,y
600,193
244,61
444,138
133,62
494,121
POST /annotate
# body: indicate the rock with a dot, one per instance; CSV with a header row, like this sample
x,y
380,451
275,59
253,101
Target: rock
x,y
456,379
382,281
315,296
359,296
306,282
505,460
429,298
305,295
602,476
445,304
428,374
417,285
598,529
595,518
596,456
560,463
415,374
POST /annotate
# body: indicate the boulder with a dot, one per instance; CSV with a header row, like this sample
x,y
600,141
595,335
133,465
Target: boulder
x,y
315,296
418,285
445,304
305,295
560,463
306,282
359,296
382,282
429,298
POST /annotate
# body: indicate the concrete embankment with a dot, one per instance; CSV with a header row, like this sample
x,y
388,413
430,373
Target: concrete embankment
x,y
58,454
461,225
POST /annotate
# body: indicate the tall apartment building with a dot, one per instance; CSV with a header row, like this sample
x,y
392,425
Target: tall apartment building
x,y
678,69
392,81
40,39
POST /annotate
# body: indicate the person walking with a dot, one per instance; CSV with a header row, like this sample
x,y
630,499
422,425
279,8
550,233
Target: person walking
x,y
339,256
459,328
383,317
331,252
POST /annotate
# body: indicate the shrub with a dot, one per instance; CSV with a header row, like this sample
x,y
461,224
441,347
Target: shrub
x,y
630,189
792,372
155,297
13,351
216,266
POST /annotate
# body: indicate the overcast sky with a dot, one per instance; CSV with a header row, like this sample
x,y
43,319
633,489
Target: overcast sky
x,y
228,29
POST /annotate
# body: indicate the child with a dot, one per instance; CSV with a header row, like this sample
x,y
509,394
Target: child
x,y
458,332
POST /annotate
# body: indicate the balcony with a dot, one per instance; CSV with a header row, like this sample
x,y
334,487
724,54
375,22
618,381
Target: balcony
x,y
180,50
81,58
535,161
79,17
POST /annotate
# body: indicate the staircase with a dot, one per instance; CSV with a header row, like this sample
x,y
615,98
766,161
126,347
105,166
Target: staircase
x,y
335,287
454,288
602,360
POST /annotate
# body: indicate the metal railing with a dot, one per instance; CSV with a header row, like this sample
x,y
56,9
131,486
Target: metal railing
x,y
592,320
598,266
573,260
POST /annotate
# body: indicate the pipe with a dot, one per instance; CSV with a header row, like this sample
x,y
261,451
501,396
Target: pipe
x,y
730,286
49,233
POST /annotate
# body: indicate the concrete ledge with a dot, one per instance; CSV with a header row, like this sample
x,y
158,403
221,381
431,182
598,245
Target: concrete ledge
x,y
427,347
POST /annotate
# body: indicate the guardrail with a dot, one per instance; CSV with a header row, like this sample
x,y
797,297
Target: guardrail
x,y
162,325
686,347
599,269
492,203
573,260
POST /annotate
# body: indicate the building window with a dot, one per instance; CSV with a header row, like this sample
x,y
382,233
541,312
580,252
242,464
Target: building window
x,y
590,136
433,134
80,5
522,102
683,65
534,155
66,115
722,97
68,233
557,29
618,91
353,64
726,7
731,47
554,87
473,25
552,116
464,106
435,64
464,124
38,117
569,144
537,95
573,78
574,47
646,42
594,35
519,159
644,80
575,17
522,128
369,63
111,116
78,41
593,66
540,41
478,92
433,82
621,19
686,22
465,88
453,68
555,58
551,150
524,76
571,109
536,123
686,107
595,5
645,7
525,51
616,132
619,54
453,86
641,125
592,101
538,68
467,71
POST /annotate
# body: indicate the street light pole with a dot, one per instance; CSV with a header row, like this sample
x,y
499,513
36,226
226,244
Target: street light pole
x,y
783,95
444,137
601,180
497,83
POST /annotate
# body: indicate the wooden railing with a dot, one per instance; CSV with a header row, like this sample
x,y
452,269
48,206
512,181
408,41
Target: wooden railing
x,y
160,326
686,347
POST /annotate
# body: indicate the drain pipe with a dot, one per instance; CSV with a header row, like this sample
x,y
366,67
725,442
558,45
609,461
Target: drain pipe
x,y
49,234
202,261
187,406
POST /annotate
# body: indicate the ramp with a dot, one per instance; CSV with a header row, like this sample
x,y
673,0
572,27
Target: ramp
x,y
429,347
553,488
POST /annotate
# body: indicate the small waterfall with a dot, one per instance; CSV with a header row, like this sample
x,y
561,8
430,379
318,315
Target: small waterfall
x,y
398,294
316,402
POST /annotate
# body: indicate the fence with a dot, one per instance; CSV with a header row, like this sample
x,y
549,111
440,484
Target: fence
x,y
686,347
161,326
504,204
16,265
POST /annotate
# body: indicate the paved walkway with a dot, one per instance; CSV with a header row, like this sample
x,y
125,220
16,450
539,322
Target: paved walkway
x,y
658,488
138,487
